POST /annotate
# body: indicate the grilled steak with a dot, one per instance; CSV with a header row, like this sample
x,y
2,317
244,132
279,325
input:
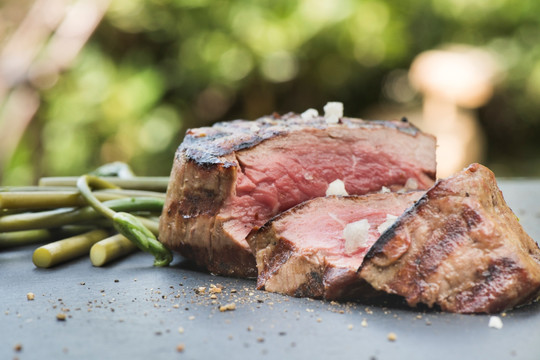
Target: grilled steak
x,y
315,248
460,247
233,176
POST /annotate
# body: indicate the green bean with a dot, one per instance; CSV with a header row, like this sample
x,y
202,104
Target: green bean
x,y
33,200
150,183
83,184
59,217
125,223
67,249
110,249
117,169
4,189
25,237
129,226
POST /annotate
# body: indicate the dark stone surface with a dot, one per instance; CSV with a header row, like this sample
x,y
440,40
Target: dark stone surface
x,y
132,310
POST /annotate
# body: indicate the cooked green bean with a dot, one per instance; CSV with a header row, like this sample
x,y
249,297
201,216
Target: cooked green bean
x,y
116,169
119,199
25,237
59,217
125,223
84,183
129,226
63,250
4,189
110,249
33,200
150,183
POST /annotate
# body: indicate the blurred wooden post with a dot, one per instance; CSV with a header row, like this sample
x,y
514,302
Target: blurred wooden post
x,y
454,82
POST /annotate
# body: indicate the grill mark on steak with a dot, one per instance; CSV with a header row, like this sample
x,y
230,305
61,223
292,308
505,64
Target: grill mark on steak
x,y
468,251
280,254
415,278
194,204
440,248
497,276
312,287
452,230
471,217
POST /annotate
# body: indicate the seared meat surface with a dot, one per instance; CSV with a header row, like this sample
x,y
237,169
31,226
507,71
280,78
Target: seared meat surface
x,y
234,176
460,247
314,249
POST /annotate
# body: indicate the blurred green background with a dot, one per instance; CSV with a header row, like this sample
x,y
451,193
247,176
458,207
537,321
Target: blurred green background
x,y
150,69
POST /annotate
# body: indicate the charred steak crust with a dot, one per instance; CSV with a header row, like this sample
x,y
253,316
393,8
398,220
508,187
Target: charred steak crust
x,y
459,247
216,168
207,146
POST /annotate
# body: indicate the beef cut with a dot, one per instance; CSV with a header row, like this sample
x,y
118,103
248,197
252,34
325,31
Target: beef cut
x,y
234,176
460,247
315,248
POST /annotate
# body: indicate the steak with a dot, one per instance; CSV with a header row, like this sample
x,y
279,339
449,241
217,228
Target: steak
x,y
234,176
314,249
460,247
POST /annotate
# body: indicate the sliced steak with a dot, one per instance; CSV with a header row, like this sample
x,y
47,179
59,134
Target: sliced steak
x,y
233,176
315,248
459,247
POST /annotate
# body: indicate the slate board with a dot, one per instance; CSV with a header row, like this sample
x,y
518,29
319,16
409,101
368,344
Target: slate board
x,y
131,310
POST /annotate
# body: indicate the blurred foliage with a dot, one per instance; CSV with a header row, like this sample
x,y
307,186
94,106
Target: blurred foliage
x,y
154,68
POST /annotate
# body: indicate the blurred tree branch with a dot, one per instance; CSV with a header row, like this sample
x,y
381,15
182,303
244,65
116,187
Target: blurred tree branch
x,y
45,43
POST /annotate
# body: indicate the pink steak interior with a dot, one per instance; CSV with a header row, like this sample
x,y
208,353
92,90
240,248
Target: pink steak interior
x,y
283,172
321,225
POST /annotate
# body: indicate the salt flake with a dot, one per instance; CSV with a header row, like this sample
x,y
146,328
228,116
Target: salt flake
x,y
309,114
356,235
495,322
332,112
336,187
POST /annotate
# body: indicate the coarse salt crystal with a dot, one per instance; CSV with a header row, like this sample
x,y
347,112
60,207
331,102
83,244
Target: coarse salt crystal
x,y
336,187
254,128
332,112
356,235
495,322
309,114
390,219
384,190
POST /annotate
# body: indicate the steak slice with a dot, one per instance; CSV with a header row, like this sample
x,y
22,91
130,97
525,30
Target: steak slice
x,y
233,176
460,247
314,249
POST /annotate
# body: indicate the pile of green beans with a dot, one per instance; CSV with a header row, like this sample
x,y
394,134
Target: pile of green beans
x,y
103,217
